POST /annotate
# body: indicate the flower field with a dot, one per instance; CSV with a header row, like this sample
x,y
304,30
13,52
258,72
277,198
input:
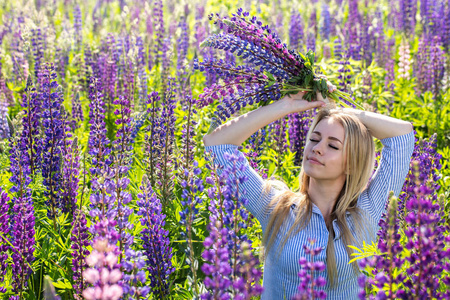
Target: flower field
x,y
106,191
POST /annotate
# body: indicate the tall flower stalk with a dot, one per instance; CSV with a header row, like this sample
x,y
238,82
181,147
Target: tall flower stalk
x,y
155,241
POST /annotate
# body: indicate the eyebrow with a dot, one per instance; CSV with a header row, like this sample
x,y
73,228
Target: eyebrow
x,y
331,137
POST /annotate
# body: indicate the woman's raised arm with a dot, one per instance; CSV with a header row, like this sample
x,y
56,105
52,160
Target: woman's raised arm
x,y
381,126
236,131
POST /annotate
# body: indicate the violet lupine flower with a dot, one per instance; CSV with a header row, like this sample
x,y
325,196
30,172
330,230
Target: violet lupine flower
x,y
165,164
155,241
80,242
217,266
160,54
255,150
188,133
77,24
344,76
99,148
4,230
428,67
4,127
22,230
446,29
121,164
53,137
152,137
134,278
298,129
38,51
247,284
31,102
309,281
326,22
193,187
390,62
353,22
182,47
311,42
279,138
227,219
407,16
77,112
70,172
104,272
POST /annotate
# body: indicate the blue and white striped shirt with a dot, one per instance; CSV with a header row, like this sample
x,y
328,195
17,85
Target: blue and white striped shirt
x,y
281,279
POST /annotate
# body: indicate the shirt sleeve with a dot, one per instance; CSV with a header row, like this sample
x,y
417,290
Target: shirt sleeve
x,y
258,199
389,176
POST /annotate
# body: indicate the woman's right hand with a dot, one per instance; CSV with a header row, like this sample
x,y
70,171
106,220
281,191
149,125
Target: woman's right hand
x,y
296,103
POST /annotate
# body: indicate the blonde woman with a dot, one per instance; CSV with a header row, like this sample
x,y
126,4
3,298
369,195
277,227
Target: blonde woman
x,y
335,205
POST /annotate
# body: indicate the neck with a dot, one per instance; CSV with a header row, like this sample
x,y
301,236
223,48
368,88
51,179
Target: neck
x,y
324,194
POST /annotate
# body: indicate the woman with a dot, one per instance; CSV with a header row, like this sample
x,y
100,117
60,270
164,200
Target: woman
x,y
334,205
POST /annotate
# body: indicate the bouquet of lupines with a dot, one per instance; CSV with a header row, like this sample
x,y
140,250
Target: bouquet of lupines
x,y
270,70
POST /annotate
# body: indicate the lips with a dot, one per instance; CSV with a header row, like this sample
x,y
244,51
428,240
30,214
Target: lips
x,y
314,160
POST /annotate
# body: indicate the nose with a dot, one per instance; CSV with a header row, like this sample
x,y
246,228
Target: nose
x,y
317,148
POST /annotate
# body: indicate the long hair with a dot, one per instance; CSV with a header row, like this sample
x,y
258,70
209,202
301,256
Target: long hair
x,y
360,151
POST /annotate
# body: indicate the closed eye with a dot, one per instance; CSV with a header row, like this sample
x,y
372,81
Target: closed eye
x,y
336,148
313,140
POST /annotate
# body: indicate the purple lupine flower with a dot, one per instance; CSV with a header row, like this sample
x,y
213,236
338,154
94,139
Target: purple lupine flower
x,y
309,281
77,112
311,42
390,62
247,284
4,127
104,272
182,46
77,24
158,17
99,148
326,22
446,29
23,220
121,164
279,138
4,230
193,187
298,129
80,242
188,133
255,150
166,142
367,36
407,16
428,67
70,172
31,103
217,266
353,22
152,137
227,220
134,277
155,240
38,51
54,134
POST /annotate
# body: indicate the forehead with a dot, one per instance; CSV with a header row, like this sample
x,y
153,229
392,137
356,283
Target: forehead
x,y
330,127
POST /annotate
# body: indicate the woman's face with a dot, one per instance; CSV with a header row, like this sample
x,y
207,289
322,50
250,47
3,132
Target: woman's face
x,y
324,157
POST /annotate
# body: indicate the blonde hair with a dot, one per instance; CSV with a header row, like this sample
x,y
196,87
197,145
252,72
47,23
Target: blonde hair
x,y
360,151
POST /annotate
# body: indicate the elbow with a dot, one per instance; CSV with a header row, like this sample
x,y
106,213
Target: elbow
x,y
207,140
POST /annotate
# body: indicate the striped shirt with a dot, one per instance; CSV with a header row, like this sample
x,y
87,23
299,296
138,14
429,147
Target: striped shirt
x,y
281,279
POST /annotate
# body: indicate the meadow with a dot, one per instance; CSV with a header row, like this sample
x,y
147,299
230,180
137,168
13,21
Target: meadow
x,y
106,191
